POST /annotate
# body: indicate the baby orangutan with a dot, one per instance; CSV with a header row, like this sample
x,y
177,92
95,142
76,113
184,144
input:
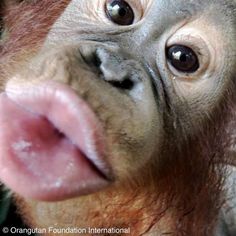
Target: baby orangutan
x,y
119,115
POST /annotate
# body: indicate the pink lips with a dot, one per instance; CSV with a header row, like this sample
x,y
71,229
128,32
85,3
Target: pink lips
x,y
51,143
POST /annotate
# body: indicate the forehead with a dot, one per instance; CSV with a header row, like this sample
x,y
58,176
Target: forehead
x,y
215,9
158,15
172,9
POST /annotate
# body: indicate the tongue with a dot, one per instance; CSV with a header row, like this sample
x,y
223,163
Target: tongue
x,y
51,144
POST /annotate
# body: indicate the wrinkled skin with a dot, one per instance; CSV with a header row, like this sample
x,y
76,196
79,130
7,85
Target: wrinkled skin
x,y
166,136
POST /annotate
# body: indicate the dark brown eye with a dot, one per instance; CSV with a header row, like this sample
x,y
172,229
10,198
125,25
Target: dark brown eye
x,y
119,12
183,58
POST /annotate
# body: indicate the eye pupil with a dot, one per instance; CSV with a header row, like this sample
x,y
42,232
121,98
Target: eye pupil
x,y
120,12
183,58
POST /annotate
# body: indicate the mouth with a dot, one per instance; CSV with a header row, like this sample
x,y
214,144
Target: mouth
x,y
52,145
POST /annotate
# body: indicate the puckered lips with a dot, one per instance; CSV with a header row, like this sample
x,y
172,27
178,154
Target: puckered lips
x,y
51,143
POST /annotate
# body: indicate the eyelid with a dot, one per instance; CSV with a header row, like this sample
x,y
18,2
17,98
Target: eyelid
x,y
193,40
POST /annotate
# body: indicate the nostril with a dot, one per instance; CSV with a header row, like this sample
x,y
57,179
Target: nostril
x,y
109,71
125,84
91,59
108,66
96,60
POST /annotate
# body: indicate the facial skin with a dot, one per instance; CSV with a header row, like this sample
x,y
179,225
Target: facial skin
x,y
99,125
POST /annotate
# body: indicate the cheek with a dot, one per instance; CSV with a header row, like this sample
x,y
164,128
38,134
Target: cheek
x,y
135,133
203,93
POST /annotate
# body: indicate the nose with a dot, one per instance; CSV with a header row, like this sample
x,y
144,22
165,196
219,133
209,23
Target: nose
x,y
111,65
